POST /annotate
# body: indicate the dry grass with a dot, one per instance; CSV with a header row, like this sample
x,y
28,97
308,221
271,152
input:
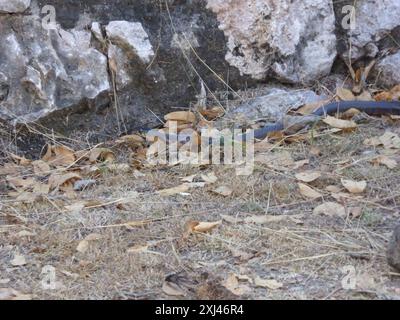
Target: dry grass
x,y
306,256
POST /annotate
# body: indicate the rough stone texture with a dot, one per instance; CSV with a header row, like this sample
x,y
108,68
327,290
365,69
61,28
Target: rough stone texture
x,y
374,20
294,40
161,53
44,71
393,254
131,37
275,102
14,6
388,70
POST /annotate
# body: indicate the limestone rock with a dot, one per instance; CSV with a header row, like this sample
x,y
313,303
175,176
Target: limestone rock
x,y
275,102
388,70
131,37
293,40
43,71
14,6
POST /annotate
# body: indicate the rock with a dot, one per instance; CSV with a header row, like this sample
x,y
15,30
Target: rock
x,y
393,253
275,102
292,40
14,6
96,29
43,71
131,37
388,70
120,62
374,20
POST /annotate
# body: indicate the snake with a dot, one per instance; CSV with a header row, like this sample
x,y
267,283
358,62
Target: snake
x,y
372,108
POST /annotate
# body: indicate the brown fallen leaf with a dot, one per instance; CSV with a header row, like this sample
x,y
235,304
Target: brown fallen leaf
x,y
204,227
354,186
386,161
309,192
345,94
59,155
331,209
175,190
267,283
308,176
20,183
57,180
102,155
232,284
186,116
41,168
83,245
132,140
138,249
339,123
22,161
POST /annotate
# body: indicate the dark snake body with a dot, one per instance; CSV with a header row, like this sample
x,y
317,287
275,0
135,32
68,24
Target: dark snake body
x,y
373,108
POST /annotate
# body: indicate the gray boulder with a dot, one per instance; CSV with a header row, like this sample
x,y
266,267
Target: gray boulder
x,y
44,71
14,6
292,40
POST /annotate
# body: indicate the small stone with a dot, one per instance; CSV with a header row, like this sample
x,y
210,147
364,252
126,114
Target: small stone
x,y
393,253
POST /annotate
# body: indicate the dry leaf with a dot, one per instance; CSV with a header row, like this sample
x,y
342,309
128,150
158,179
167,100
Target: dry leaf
x,y
185,116
132,139
331,209
333,189
386,161
22,161
223,191
345,94
58,180
17,182
309,192
355,212
83,246
308,176
339,123
311,107
18,260
209,178
300,163
59,155
204,227
390,140
138,249
40,168
102,155
175,190
232,284
354,186
172,289
265,283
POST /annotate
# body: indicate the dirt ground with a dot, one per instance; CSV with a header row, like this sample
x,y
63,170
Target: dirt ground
x,y
139,238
